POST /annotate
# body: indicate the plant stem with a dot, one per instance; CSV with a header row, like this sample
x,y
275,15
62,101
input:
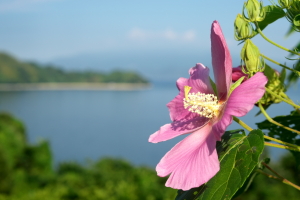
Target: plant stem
x,y
243,124
281,65
287,145
269,168
282,142
283,99
282,146
277,177
265,37
283,180
274,122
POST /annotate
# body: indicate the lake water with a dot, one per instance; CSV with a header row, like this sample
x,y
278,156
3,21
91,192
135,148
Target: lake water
x,y
82,125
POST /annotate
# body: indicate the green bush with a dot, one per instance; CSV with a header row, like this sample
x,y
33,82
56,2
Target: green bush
x,y
27,173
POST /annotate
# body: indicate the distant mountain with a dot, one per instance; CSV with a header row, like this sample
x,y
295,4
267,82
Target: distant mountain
x,y
15,71
155,65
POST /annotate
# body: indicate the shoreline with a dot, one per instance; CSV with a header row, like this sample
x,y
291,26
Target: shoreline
x,y
73,86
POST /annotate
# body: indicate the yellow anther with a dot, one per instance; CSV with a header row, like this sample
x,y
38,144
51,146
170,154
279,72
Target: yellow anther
x,y
205,105
186,91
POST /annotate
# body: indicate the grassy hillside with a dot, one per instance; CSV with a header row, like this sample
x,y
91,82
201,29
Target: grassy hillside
x,y
15,71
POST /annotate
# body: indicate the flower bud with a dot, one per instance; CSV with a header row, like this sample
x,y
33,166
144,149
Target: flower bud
x,y
285,3
275,84
242,28
238,73
295,5
255,11
293,14
253,62
296,21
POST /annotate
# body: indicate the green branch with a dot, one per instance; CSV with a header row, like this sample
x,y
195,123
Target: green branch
x,y
286,145
265,37
283,99
274,122
278,177
281,65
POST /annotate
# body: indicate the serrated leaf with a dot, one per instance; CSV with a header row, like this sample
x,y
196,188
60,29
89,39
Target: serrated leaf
x,y
293,77
275,131
238,155
273,13
280,133
290,31
282,75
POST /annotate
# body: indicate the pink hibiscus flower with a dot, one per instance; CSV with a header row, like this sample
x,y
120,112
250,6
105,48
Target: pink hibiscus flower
x,y
204,114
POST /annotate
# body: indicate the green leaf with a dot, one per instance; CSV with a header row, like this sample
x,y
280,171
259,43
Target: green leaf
x,y
269,73
282,75
213,86
236,84
280,133
272,14
293,77
238,155
290,31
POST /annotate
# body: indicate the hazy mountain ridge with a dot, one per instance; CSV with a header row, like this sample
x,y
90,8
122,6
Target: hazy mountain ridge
x,y
156,66
13,70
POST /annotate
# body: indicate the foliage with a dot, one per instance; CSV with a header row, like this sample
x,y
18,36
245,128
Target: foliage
x,y
14,71
269,189
238,155
273,13
280,133
27,173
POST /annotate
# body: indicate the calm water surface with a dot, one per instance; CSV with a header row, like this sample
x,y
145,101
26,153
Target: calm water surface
x,y
83,125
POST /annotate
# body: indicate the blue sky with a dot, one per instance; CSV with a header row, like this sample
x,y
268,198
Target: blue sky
x,y
132,34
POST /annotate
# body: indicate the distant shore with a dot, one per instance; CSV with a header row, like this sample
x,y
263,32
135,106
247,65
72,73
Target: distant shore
x,y
73,86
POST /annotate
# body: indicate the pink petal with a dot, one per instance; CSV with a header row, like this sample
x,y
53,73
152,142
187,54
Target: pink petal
x,y
169,131
199,81
191,162
243,98
220,127
221,61
180,83
176,107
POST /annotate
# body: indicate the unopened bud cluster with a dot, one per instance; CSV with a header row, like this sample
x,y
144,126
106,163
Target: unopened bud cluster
x,y
275,85
242,28
285,3
292,12
255,11
251,58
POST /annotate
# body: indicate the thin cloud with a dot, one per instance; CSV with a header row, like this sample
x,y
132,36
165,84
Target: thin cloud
x,y
189,35
19,5
168,34
139,34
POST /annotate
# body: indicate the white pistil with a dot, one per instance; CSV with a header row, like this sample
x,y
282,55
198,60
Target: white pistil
x,y
205,105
